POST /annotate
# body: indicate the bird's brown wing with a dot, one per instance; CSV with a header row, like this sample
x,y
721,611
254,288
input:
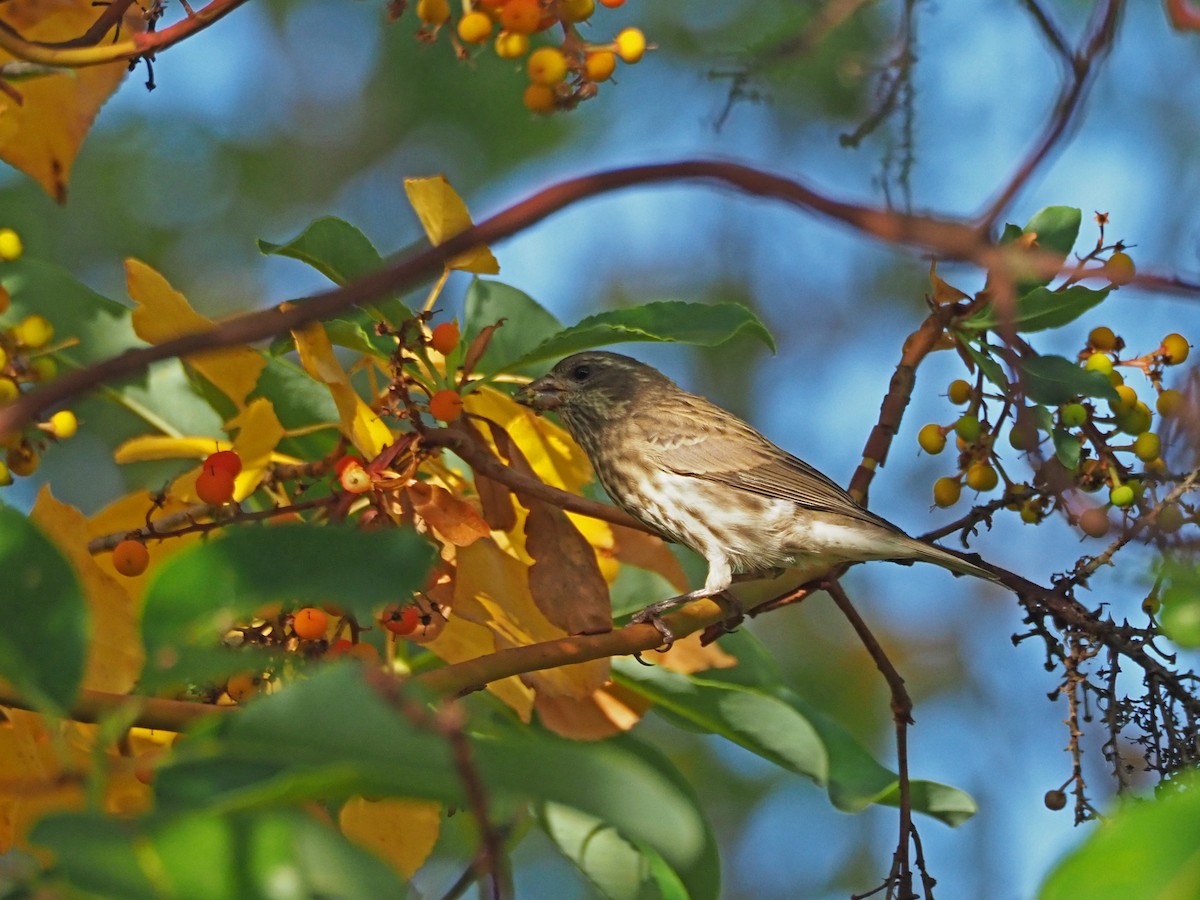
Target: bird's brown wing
x,y
733,453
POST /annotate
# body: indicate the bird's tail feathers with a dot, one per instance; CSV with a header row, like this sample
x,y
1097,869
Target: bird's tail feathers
x,y
959,563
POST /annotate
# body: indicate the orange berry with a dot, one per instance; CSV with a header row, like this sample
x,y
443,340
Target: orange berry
x,y
227,460
546,66
612,4
982,477
340,647
446,405
345,462
401,620
521,16
631,45
946,491
475,27
600,65
445,337
244,686
130,558
355,479
214,486
959,391
539,98
310,623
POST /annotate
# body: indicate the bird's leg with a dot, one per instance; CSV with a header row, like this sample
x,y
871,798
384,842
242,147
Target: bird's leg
x,y
717,583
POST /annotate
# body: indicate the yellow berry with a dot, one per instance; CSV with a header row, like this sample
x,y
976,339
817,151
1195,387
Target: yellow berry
x,y
1098,362
5,476
631,45
8,390
968,428
475,27
1175,348
539,98
1120,268
600,65
576,10
982,477
546,66
1121,496
33,331
10,245
1135,421
1169,402
1147,447
1126,399
511,46
1102,338
932,438
433,12
355,479
959,391
946,491
63,424
3,358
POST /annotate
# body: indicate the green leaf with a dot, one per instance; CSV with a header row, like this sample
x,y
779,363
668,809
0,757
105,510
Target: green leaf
x,y
705,324
1039,309
1180,615
333,735
279,854
1055,380
1067,448
1057,228
43,643
201,592
1146,850
992,370
527,323
333,247
1011,233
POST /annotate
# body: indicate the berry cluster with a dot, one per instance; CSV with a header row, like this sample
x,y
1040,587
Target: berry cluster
x,y
1092,444
561,76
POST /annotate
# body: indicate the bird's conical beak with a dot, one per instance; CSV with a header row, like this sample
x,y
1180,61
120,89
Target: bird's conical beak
x,y
543,394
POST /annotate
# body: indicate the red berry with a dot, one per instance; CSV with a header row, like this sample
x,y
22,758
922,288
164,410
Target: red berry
x,y
445,337
344,463
130,558
310,623
214,486
446,405
401,620
225,459
355,480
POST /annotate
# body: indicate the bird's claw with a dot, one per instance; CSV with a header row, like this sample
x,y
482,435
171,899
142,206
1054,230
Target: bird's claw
x,y
653,616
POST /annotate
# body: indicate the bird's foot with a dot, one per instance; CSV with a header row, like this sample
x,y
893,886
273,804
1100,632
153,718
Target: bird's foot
x,y
736,612
653,615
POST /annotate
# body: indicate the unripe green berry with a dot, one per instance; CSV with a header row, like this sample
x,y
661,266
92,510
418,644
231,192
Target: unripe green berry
x,y
1151,605
1121,496
1073,415
1136,420
1031,514
932,438
959,391
968,428
1098,362
1169,519
946,491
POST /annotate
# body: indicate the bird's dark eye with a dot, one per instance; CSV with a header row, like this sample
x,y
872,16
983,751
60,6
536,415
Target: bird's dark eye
x,y
581,373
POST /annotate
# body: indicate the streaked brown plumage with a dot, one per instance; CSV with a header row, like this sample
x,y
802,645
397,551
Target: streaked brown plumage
x,y
698,475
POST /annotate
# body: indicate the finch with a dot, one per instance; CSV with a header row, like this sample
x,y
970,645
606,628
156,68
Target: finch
x,y
699,476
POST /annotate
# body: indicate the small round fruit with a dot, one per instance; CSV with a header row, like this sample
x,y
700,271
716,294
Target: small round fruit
x,y
1147,446
446,405
1031,513
433,12
1121,496
1055,800
1126,399
1136,420
1023,436
9,391
63,424
130,558
959,391
521,16
631,45
474,28
1175,349
511,46
214,486
1151,605
1073,415
1169,519
310,623
982,477
539,98
345,462
244,686
600,64
612,4
22,459
968,428
401,620
1102,338
1094,522
5,476
1169,402
576,10
33,331
43,368
227,460
1120,268
946,491
444,337
932,438
546,65
1099,362
10,245
355,480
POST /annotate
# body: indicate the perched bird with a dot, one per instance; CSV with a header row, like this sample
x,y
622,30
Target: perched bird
x,y
699,476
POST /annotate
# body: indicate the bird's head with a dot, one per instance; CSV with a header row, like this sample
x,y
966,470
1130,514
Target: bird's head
x,y
594,386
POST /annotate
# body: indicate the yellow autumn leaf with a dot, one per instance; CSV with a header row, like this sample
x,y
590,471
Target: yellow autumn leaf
x,y
115,656
41,135
608,711
163,313
443,214
401,832
359,423
461,640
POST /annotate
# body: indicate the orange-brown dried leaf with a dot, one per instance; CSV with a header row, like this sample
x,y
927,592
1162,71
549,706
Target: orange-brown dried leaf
x,y
478,347
688,656
943,291
41,134
565,578
609,711
454,519
497,502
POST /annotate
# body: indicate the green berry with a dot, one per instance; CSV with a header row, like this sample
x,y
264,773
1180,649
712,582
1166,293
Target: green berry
x,y
1170,519
1098,362
1121,496
968,428
1073,415
1136,420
